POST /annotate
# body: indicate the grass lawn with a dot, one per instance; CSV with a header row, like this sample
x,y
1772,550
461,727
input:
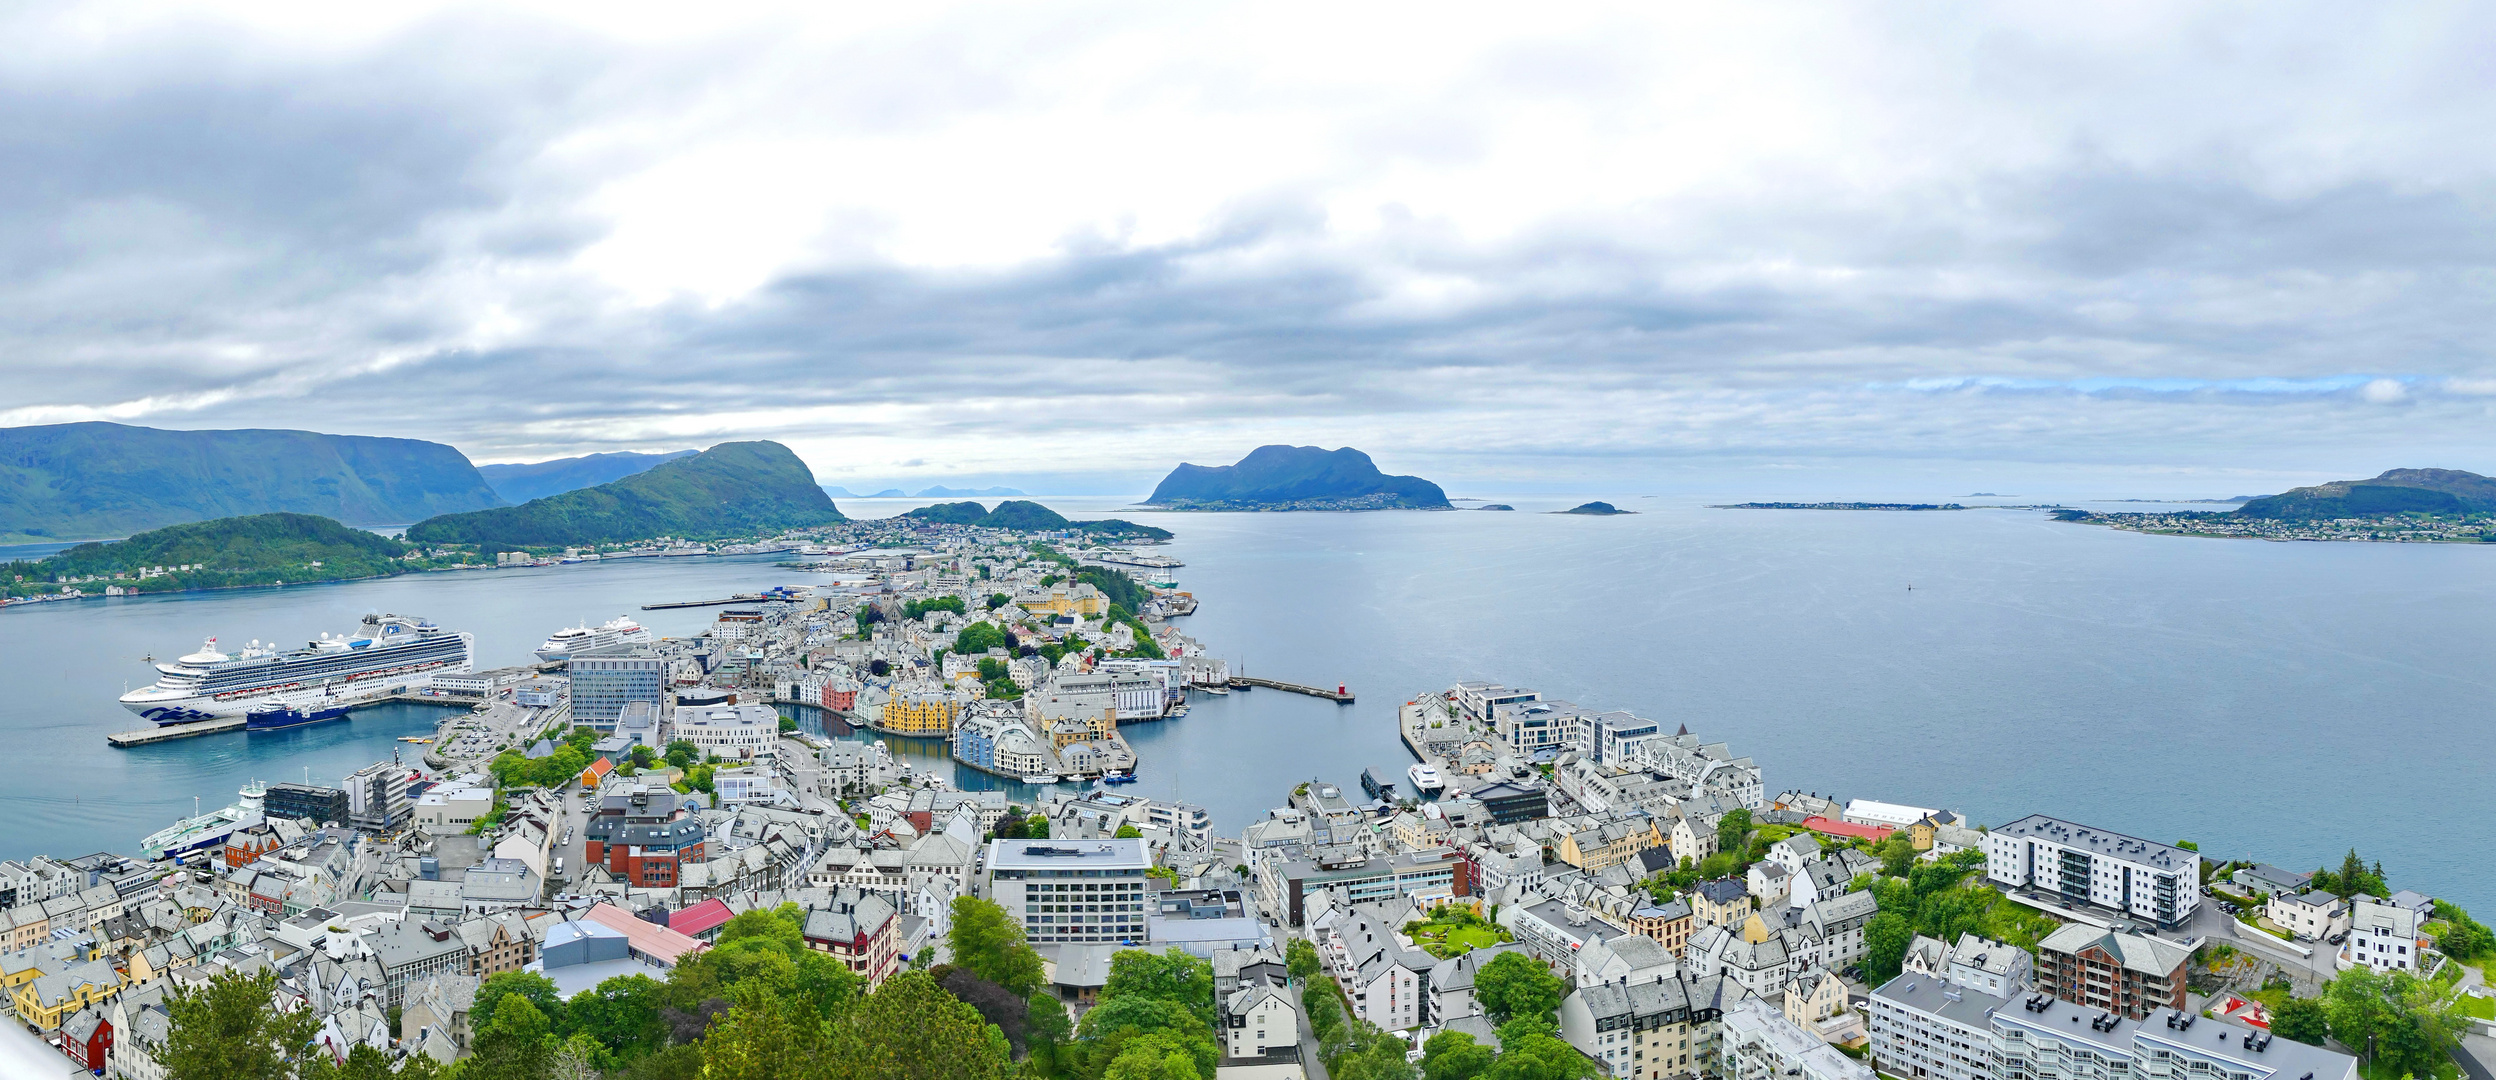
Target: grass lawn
x,y
2474,1005
1452,938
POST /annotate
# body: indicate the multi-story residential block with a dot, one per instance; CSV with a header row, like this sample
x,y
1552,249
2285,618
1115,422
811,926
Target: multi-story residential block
x,y
2143,878
1608,844
1709,768
2312,915
1753,954
1481,701
1720,902
1925,1027
925,711
1285,881
644,834
2382,936
1387,982
1258,1019
1636,1030
2127,974
1090,891
1974,963
2044,1038
1534,726
1759,1043
860,929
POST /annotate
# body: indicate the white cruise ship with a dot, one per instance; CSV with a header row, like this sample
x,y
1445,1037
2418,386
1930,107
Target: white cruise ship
x,y
388,654
620,630
1426,778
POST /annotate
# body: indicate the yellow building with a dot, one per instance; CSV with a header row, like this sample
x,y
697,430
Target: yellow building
x,y
1610,844
54,997
1065,598
927,712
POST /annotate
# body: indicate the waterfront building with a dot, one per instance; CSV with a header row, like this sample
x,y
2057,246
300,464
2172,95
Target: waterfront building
x,y
2142,878
377,797
1887,815
1537,726
1090,891
1480,701
1709,768
2382,936
921,711
2312,916
2130,975
605,680
319,805
2046,1038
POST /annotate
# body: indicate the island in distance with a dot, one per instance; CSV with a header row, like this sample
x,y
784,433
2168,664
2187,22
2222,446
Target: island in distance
x,y
1836,506
1295,478
2401,505
1595,509
1023,516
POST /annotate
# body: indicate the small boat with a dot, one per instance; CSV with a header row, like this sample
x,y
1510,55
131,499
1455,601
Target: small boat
x,y
277,717
1040,778
1118,776
1425,778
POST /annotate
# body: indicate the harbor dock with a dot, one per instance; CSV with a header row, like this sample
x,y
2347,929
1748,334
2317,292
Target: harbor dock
x,y
128,739
1339,695
740,598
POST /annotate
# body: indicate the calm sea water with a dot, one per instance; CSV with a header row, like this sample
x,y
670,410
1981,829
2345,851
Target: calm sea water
x,y
2283,701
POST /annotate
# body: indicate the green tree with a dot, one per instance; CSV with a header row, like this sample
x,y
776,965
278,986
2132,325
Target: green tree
x,y
1897,855
227,1030
1514,985
1128,832
622,1013
764,1036
1172,976
514,1046
1733,831
681,753
1885,942
983,939
1541,1057
911,1029
538,989
1453,1055
1301,958
2301,1019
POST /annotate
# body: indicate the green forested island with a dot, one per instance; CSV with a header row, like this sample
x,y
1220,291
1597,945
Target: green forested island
x,y
259,549
97,480
1025,516
1295,478
733,489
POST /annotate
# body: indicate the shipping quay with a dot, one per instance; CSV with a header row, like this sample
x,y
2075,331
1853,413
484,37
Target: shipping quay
x,y
169,732
1340,695
740,598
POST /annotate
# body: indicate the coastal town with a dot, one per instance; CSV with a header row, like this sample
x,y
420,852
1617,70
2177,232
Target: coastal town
x,y
1571,891
2408,528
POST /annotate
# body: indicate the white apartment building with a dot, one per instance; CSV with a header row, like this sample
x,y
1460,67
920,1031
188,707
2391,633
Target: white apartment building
x,y
1925,1027
2045,1038
1761,1044
1089,891
2143,878
2382,936
2312,916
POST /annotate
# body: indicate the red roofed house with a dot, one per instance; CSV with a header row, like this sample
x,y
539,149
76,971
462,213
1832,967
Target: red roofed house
x,y
1847,829
701,921
595,773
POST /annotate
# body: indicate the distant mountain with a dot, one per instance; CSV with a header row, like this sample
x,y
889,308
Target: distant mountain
x,y
521,483
733,489
1595,509
83,481
966,493
1295,478
1028,517
2399,491
259,549
889,493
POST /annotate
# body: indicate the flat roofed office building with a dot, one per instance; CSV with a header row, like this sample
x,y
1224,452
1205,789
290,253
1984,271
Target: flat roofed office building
x,y
1082,891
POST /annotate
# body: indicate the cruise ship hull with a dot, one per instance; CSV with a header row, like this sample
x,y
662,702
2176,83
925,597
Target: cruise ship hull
x,y
328,677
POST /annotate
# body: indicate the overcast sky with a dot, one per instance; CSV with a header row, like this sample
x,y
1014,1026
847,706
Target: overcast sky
x,y
2209,248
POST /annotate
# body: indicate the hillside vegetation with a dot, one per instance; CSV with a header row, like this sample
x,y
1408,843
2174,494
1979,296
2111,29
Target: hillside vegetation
x,y
96,480
261,549
1026,516
2398,491
733,489
1296,478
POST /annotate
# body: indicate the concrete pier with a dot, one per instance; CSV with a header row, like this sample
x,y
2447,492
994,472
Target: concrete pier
x,y
1339,697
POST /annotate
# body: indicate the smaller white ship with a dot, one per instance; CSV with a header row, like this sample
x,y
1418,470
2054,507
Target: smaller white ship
x,y
208,830
1425,778
1040,778
620,630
